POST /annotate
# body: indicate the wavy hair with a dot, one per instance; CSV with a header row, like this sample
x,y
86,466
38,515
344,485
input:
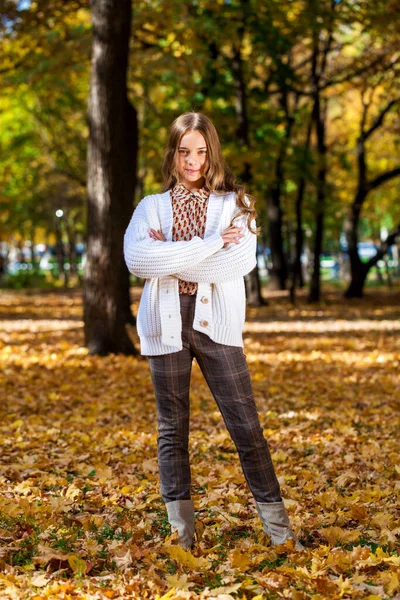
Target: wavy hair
x,y
218,176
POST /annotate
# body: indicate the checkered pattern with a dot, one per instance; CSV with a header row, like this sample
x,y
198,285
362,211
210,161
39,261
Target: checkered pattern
x,y
226,372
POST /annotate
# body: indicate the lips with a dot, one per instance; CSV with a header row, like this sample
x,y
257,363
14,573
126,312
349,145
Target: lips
x,y
190,171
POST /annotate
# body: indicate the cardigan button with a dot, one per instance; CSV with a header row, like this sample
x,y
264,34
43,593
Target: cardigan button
x,y
204,323
204,300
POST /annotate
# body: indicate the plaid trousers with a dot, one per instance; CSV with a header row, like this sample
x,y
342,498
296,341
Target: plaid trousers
x,y
226,373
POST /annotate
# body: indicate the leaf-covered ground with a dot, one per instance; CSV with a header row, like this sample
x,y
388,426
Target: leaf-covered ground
x,y
81,514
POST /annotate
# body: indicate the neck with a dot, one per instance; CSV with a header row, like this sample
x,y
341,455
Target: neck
x,y
193,186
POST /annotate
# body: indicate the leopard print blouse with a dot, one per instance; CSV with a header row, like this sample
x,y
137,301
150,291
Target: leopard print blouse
x,y
189,209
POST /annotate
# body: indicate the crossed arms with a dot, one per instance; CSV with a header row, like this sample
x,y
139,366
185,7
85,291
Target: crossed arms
x,y
199,260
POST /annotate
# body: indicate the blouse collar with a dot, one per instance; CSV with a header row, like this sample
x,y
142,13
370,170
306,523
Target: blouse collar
x,y
183,193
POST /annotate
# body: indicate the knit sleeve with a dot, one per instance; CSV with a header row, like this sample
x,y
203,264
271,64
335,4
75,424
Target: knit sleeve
x,y
236,260
148,258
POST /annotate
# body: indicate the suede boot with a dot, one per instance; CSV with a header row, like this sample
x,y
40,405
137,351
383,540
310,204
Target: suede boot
x,y
276,523
181,518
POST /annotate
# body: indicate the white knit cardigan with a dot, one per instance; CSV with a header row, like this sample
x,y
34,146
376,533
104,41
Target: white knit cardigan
x,y
220,306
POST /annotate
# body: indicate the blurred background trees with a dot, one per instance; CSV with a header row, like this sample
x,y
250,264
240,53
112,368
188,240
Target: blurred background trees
x,y
305,96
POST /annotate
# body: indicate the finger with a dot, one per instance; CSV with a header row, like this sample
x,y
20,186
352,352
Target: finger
x,y
233,240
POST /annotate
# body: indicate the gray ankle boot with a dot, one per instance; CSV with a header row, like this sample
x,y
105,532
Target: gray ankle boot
x,y
181,518
276,523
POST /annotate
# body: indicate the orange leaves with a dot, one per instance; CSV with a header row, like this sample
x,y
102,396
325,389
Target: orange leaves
x,y
57,559
325,586
239,560
335,535
391,582
280,456
80,504
359,513
186,558
47,554
179,582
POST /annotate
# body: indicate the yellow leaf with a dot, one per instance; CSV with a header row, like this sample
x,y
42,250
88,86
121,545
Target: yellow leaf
x,y
390,582
280,456
179,582
166,596
309,486
239,559
78,565
186,558
226,590
337,534
73,492
199,528
381,519
290,477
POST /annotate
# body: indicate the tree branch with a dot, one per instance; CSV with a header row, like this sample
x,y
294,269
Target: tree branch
x,y
383,248
379,120
382,178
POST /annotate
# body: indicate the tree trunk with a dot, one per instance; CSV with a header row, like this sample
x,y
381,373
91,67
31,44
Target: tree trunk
x,y
111,179
315,288
252,280
359,270
132,147
253,289
355,289
279,272
320,125
60,255
32,249
297,270
72,258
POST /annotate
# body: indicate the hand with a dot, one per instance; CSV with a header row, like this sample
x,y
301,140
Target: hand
x,y
157,235
232,234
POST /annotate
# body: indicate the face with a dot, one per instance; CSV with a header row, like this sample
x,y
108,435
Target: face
x,y
191,159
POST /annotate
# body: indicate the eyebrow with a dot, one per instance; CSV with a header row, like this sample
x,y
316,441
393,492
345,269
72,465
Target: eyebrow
x,y
185,148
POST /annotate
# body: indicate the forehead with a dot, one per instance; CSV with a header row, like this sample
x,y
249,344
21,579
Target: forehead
x,y
192,140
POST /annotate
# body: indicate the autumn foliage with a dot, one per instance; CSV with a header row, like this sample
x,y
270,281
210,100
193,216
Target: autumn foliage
x,y
81,512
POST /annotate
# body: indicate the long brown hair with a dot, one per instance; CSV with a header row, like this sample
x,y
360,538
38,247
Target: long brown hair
x,y
218,176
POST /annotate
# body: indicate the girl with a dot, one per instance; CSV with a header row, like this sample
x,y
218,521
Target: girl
x,y
184,243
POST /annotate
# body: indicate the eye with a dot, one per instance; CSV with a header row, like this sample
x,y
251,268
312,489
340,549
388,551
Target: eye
x,y
186,151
